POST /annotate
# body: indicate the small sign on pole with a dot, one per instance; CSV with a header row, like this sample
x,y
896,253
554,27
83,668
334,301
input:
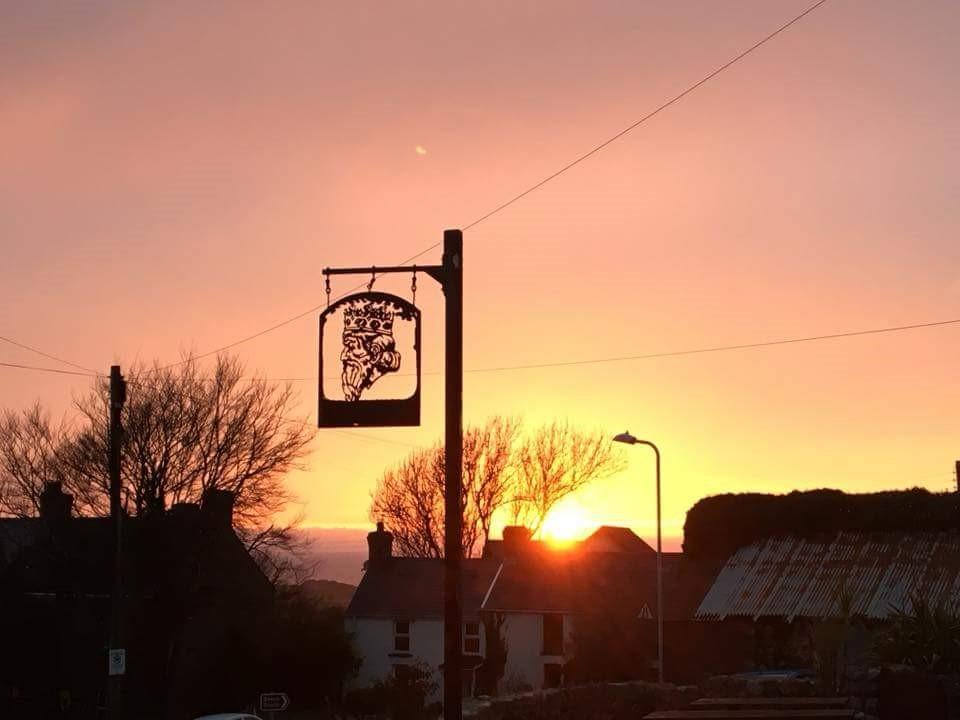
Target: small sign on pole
x,y
274,701
117,663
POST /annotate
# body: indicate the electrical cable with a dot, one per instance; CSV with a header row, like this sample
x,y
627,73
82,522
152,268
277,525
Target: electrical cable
x,y
46,354
539,184
679,353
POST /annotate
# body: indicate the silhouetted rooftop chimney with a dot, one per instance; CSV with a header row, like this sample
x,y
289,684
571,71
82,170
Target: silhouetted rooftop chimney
x,y
516,540
380,543
55,504
217,508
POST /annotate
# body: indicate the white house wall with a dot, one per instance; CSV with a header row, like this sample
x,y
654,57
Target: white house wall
x,y
525,659
373,641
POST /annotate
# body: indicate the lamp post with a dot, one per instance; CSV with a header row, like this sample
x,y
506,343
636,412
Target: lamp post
x,y
629,439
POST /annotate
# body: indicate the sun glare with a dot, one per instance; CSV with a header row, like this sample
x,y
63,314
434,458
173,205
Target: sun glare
x,y
566,524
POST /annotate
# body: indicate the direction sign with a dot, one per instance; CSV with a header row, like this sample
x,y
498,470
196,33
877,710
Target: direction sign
x,y
274,701
117,664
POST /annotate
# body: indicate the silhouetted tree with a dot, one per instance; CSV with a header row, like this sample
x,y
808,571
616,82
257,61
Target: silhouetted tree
x,y
555,462
409,498
30,456
500,470
310,653
185,432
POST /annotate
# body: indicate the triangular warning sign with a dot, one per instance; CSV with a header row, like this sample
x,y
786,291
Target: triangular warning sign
x,y
645,613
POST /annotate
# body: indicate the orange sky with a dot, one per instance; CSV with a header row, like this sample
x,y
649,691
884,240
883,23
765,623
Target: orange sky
x,y
175,176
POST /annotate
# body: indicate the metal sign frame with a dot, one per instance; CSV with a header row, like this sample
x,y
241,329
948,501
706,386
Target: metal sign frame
x,y
376,412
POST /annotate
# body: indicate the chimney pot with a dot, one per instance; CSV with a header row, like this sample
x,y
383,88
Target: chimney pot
x,y
55,504
516,540
380,544
217,508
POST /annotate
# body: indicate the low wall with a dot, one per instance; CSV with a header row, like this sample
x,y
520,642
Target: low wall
x,y
617,701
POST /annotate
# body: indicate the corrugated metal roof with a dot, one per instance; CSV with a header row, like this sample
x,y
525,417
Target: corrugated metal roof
x,y
795,577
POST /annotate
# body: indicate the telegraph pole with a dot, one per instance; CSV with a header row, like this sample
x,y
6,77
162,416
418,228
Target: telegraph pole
x,y
453,473
116,662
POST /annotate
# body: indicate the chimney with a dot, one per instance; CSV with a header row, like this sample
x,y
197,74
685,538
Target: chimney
x,y
217,509
380,544
516,540
55,504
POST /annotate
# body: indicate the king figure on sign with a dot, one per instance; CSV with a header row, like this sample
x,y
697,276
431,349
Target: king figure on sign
x,y
369,348
378,331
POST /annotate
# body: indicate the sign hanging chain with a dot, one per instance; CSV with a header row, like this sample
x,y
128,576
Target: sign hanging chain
x,y
413,285
327,279
373,279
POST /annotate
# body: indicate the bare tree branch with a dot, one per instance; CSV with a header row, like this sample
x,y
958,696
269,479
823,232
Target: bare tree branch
x,y
556,461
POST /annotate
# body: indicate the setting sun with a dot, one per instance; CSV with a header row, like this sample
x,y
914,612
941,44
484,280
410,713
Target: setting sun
x,y
566,523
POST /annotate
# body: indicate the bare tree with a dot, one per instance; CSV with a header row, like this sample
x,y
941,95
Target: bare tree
x,y
30,450
184,433
409,499
554,462
488,470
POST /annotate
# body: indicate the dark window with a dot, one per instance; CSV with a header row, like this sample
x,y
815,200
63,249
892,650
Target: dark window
x,y
401,636
552,675
471,638
553,634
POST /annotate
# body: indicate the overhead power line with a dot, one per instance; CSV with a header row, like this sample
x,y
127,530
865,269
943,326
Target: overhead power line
x,y
536,186
57,371
611,359
720,348
633,126
11,341
679,353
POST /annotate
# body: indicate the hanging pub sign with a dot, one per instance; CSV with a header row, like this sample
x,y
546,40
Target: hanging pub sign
x,y
369,362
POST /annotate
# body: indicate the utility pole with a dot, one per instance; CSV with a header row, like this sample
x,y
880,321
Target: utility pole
x,y
956,472
453,474
116,663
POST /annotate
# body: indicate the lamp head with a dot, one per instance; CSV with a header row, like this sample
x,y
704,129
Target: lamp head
x,y
625,437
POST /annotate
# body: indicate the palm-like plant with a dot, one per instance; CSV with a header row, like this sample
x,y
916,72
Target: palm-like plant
x,y
925,637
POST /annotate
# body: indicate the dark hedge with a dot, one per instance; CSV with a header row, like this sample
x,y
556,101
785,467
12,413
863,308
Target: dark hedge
x,y
718,525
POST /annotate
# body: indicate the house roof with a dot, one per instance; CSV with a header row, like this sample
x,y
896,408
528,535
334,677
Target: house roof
x,y
802,577
181,548
609,538
412,588
569,582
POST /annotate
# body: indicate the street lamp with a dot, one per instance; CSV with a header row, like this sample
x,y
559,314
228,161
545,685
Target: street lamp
x,y
629,439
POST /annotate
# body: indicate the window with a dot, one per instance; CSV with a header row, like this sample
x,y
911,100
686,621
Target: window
x,y
471,638
553,634
401,636
552,675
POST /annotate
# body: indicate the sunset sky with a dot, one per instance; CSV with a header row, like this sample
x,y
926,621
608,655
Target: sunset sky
x,y
176,174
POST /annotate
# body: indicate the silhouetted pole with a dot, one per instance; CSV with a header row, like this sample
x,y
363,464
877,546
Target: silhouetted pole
x,y
631,440
453,456
956,470
118,395
450,276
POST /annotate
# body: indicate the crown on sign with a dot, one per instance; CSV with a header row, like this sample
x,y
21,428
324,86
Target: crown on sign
x,y
376,317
